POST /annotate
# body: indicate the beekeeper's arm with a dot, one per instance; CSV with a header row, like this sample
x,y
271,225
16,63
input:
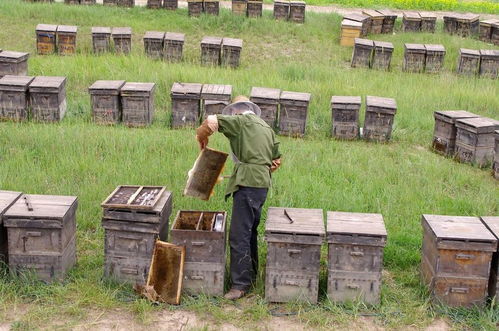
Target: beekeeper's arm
x,y
226,124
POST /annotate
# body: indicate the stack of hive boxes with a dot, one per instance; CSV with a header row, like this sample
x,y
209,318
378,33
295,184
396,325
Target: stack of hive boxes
x,y
14,97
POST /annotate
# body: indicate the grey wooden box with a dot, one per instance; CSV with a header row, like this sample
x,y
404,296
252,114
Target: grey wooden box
x,y
137,102
122,38
13,63
376,19
154,44
297,11
293,254
43,239
492,224
382,55
231,52
494,38
293,113
212,7
428,22
174,45
239,7
110,2
444,134
489,63
195,7
355,256
170,4
268,101
281,10
380,114
186,104
101,39
345,115
211,51
215,98
14,97
7,199
72,2
364,19
495,165
48,98
414,57
46,38
467,25
411,22
486,28
469,61
434,60
66,39
126,3
255,8
106,103
362,53
154,4
450,23
475,140
388,21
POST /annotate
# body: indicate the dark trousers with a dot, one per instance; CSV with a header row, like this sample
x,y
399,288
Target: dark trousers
x,y
246,212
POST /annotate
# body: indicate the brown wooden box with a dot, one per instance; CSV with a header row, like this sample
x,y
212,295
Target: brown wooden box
x,y
388,21
444,134
154,4
170,4
137,102
42,235
494,38
14,97
434,60
492,223
411,22
293,113
101,39
376,19
231,52
450,23
215,98
126,3
72,2
239,7
110,2
13,63
106,103
382,55
7,199
414,57
455,259
486,30
66,39
345,114
349,31
281,10
153,44
122,38
475,140
495,166
186,104
469,61
211,51
293,254
268,101
297,11
212,7
195,7
362,53
173,46
489,63
255,8
428,22
467,25
48,98
46,38
363,19
380,114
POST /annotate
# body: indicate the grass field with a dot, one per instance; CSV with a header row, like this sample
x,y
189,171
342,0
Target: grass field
x,y
401,180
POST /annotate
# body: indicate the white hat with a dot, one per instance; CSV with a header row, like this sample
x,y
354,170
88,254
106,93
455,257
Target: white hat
x,y
240,107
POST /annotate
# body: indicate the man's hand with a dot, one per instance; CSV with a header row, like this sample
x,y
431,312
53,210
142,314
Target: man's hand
x,y
275,165
203,141
202,134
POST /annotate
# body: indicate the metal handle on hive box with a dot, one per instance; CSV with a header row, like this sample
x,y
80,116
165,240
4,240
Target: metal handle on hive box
x,y
291,283
464,257
353,286
357,253
198,243
197,277
294,251
462,290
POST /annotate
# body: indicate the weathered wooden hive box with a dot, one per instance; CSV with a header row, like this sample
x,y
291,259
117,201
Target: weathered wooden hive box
x,y
494,38
411,22
66,39
72,2
110,2
281,10
122,38
475,140
382,55
363,19
126,3
255,8
428,22
388,21
45,38
486,30
41,232
174,45
195,7
467,25
492,223
380,114
349,31
345,110
355,256
88,2
294,237
154,4
215,98
293,113
231,52
362,53
48,98
137,102
7,199
297,11
13,63
376,19
239,7
203,235
211,51
434,60
134,217
456,257
14,97
170,4
106,103
268,101
495,165
186,104
414,57
469,61
101,39
450,23
444,134
212,7
153,44
489,63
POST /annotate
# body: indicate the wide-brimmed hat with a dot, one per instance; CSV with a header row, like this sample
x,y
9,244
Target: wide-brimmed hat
x,y
240,107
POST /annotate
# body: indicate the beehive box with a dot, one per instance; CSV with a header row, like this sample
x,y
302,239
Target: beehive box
x,y
122,38
294,237
428,22
363,19
41,232
203,235
154,4
349,31
362,53
66,39
467,25
137,102
106,103
268,101
239,7
382,55
170,4
450,23
14,98
414,57
48,98
195,7
46,38
281,10
110,2
388,21
380,114
134,217
492,224
231,52
489,63
475,140
153,44
495,165
126,3
255,8
186,104
72,2
376,19
444,134
174,45
13,63
486,30
293,113
7,199
494,38
101,39
411,22
215,98
469,61
455,260
345,114
434,60
211,51
212,7
355,256
297,11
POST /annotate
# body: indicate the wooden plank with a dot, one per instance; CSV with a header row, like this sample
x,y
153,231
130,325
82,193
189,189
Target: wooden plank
x,y
458,228
355,223
44,206
305,221
7,199
492,223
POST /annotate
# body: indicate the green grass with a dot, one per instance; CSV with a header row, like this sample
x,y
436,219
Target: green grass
x,y
401,180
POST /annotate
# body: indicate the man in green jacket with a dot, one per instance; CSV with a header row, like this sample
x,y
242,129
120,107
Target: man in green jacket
x,y
255,152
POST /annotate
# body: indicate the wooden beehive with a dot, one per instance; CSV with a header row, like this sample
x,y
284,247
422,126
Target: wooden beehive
x,y
281,10
239,7
467,25
494,38
153,44
382,55
349,31
388,21
215,98
170,4
72,2
101,39
293,113
489,63
428,22
294,237
486,30
455,259
376,19
14,98
231,52
186,104
268,101
48,98
137,102
492,224
380,114
122,38
173,46
444,134
205,174
13,63
434,60
469,61
126,3
195,7
255,8
7,199
211,51
66,39
411,22
450,23
345,115
495,165
154,4
203,235
414,57
46,38
106,103
110,2
133,218
297,11
475,140
41,232
212,7
363,19
362,53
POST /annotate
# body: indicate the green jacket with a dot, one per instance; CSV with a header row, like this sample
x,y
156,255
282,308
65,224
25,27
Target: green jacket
x,y
254,144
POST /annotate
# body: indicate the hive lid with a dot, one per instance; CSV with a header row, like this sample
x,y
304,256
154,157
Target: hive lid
x,y
434,48
211,40
48,82
470,17
215,89
232,42
452,115
46,27
265,93
426,15
43,207
11,55
305,221
478,124
175,36
298,3
67,28
415,47
154,35
295,96
383,44
107,85
284,2
489,22
138,87
7,199
372,13
122,31
412,15
356,17
355,223
458,228
451,16
389,103
101,29
469,51
186,89
350,23
483,52
20,81
387,12
349,100
364,42
492,223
